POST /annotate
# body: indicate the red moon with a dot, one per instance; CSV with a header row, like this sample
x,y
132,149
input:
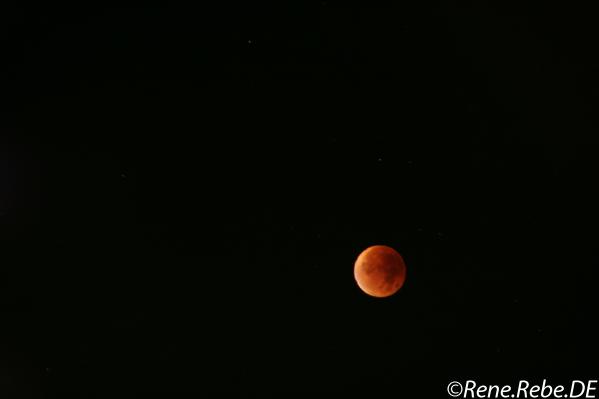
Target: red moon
x,y
380,271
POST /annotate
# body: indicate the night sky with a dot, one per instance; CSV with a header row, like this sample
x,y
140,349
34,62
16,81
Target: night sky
x,y
184,191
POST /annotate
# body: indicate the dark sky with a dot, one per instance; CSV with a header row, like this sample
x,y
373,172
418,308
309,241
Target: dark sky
x,y
184,192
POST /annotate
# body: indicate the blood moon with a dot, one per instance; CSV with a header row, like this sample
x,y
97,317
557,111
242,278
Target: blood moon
x,y
380,271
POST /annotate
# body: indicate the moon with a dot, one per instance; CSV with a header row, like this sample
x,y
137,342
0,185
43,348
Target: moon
x,y
380,271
